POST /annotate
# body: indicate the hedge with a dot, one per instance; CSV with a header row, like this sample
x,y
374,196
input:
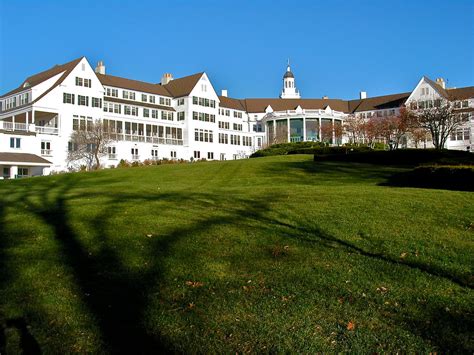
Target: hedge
x,y
449,177
409,157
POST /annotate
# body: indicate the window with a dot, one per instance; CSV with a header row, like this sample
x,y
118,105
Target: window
x,y
82,100
203,135
181,116
223,138
180,102
201,101
126,110
173,154
166,115
467,134
154,113
237,114
146,112
135,155
111,92
24,98
237,127
210,155
224,125
45,148
465,103
162,100
68,98
78,81
71,147
15,143
144,97
129,95
154,153
197,154
206,117
151,99
96,102
87,83
22,172
134,111
111,151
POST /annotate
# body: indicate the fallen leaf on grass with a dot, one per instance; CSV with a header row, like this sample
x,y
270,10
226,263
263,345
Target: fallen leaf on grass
x,y
351,326
194,284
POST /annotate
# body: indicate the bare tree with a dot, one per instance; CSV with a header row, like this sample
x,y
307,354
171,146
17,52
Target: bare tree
x,y
89,143
439,118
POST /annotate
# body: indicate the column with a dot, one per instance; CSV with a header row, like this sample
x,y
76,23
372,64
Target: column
x,y
304,129
333,132
13,122
319,129
27,121
288,129
13,171
274,132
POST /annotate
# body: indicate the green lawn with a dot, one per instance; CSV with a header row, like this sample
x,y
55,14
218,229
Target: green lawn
x,y
270,254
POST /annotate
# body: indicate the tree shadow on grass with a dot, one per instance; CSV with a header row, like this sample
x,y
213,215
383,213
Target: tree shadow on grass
x,y
115,295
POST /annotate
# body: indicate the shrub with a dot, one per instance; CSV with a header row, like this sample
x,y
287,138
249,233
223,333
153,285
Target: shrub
x,y
123,164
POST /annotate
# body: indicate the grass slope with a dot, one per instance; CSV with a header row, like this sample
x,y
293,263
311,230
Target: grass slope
x,y
269,254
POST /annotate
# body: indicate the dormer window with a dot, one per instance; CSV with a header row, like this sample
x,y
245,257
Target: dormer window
x,y
26,84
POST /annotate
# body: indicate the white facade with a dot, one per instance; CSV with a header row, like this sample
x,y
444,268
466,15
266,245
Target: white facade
x,y
178,119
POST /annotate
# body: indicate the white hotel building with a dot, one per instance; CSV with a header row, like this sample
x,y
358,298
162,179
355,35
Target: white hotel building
x,y
181,118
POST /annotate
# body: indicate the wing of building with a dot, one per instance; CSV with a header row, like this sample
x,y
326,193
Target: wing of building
x,y
182,118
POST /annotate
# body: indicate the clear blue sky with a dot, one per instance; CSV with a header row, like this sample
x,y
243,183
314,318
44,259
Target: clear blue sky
x,y
337,48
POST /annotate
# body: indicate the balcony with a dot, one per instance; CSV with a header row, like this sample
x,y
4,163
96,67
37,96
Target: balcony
x,y
31,127
135,157
10,126
46,130
46,152
112,156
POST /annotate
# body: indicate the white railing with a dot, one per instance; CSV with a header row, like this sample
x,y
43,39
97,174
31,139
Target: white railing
x,y
135,157
112,156
10,126
46,130
46,152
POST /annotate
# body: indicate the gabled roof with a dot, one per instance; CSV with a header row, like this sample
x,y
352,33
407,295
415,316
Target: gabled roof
x,y
183,86
45,75
437,87
124,83
259,105
378,102
235,104
23,158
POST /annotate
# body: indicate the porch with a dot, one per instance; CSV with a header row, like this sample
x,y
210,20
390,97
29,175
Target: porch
x,y
35,121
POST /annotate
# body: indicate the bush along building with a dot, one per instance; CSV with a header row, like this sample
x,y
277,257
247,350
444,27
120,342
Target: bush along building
x,y
182,118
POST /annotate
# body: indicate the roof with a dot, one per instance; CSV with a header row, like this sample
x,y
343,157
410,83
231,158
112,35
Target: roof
x,y
259,105
183,86
45,75
288,74
461,93
437,87
378,102
235,104
23,158
119,82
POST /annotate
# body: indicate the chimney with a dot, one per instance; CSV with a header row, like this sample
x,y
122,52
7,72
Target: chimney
x,y
325,97
363,95
166,78
224,93
441,82
100,68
